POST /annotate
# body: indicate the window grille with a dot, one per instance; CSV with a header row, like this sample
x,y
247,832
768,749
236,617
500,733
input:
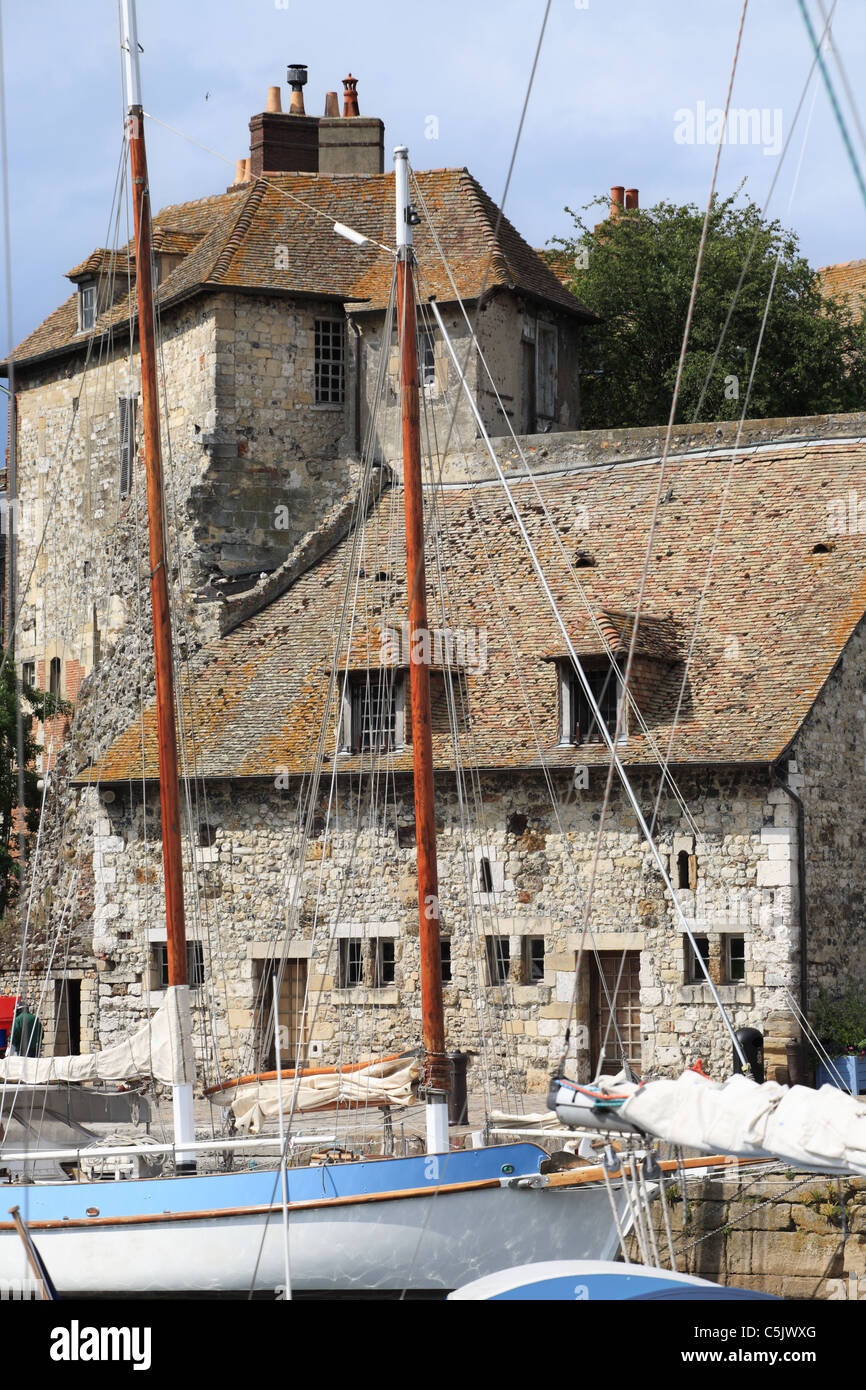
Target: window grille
x,y
580,723
351,963
374,712
384,966
194,964
330,361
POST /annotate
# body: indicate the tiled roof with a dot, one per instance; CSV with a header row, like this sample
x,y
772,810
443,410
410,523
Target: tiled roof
x,y
846,281
776,615
260,237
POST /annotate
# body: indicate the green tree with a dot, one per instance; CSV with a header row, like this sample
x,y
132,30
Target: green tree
x,y
35,705
636,270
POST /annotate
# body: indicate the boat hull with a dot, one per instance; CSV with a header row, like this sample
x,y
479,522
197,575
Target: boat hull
x,y
461,1226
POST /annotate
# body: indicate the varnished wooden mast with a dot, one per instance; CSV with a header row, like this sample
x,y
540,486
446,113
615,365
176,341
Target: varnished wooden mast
x,y
436,1073
169,789
169,796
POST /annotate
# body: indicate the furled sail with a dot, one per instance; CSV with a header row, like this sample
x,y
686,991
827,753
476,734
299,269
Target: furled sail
x,y
159,1049
385,1082
824,1129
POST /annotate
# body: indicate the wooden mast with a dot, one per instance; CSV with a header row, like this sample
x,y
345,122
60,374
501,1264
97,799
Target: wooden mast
x,y
436,1080
169,791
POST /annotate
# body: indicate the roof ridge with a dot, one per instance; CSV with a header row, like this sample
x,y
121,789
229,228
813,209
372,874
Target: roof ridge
x,y
247,212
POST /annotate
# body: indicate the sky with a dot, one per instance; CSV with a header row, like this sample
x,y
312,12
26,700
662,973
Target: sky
x,y
618,98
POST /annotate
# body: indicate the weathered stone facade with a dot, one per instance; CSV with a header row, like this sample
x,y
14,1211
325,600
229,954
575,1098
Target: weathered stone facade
x,y
364,883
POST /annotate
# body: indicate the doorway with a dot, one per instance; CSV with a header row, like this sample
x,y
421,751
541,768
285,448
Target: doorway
x,y
67,1018
292,982
615,975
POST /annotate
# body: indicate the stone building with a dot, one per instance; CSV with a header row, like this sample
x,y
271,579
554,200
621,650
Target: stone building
x,y
270,331
749,670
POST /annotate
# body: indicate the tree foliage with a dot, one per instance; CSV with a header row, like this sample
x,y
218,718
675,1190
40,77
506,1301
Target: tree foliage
x,y
35,705
636,271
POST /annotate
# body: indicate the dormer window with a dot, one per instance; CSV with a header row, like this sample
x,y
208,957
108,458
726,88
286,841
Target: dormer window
x,y
578,723
373,717
86,306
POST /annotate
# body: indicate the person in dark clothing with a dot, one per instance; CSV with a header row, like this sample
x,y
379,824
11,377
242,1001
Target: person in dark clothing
x,y
26,1037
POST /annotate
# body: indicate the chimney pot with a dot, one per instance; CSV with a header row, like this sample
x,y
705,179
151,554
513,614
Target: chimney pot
x,y
273,102
617,195
332,104
240,169
247,172
350,96
296,76
631,198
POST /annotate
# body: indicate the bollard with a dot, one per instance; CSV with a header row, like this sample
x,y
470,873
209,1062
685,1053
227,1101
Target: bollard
x,y
752,1043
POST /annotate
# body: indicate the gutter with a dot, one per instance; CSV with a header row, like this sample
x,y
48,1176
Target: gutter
x,y
779,781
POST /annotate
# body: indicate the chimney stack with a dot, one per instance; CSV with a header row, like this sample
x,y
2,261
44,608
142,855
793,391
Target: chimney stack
x,y
332,105
631,199
296,76
273,102
617,196
350,97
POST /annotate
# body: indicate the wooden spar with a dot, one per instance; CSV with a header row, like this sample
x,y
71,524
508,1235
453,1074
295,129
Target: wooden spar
x,y
436,1072
169,795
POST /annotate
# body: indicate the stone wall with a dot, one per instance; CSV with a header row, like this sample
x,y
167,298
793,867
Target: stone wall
x,y
831,766
795,1235
241,882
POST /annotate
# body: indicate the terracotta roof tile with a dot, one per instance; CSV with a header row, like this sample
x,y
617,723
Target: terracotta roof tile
x,y
259,237
845,281
776,616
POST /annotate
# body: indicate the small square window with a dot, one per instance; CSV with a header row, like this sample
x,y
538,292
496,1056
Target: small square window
x,y
330,361
351,962
445,956
735,959
384,967
498,959
194,964
694,973
533,959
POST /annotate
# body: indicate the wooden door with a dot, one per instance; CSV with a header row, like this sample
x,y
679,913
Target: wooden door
x,y
622,979
292,978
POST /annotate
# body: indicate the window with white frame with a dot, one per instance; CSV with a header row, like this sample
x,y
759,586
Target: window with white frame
x,y
578,722
498,959
694,971
86,306
350,971
373,712
735,959
533,959
330,361
383,961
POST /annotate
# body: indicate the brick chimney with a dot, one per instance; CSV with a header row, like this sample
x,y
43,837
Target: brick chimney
x,y
288,142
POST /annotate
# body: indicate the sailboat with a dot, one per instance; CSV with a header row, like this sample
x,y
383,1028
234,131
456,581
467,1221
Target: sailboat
x,y
428,1222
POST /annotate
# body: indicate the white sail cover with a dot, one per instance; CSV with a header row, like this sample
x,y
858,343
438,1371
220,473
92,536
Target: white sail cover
x,y
823,1129
160,1048
381,1083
